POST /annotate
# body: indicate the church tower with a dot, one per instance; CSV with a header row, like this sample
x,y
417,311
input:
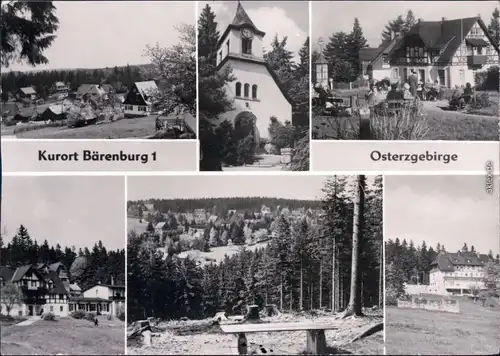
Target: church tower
x,y
257,92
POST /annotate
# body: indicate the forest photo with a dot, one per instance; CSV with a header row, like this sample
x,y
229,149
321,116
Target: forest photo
x,y
303,249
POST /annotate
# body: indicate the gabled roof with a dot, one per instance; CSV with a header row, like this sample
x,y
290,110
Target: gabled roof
x,y
20,272
240,20
146,87
160,225
368,54
321,59
6,273
28,91
446,262
107,87
75,287
55,266
58,286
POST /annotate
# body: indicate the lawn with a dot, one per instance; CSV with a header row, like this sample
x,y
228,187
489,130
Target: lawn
x,y
475,330
126,128
65,336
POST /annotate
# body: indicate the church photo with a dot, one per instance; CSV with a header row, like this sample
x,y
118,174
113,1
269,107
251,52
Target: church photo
x,y
253,91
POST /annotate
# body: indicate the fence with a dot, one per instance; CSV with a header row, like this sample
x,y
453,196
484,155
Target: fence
x,y
450,306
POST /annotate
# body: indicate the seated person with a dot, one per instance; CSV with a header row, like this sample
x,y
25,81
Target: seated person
x,y
406,92
467,93
374,97
394,93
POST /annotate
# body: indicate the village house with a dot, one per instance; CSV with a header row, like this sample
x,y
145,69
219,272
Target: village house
x,y
448,51
257,92
60,88
265,211
53,113
200,216
27,93
139,99
160,227
94,91
106,299
456,273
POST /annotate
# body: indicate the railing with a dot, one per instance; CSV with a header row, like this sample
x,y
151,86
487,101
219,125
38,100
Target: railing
x,y
476,60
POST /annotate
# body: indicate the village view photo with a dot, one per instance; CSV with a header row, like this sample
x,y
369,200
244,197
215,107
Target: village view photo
x,y
253,68
442,260
260,264
62,272
95,70
420,70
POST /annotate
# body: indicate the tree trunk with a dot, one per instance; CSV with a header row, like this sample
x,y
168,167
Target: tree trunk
x,y
281,291
334,309
301,302
354,307
291,294
311,296
380,279
321,283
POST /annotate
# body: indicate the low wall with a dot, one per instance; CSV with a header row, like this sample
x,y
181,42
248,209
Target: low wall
x,y
450,306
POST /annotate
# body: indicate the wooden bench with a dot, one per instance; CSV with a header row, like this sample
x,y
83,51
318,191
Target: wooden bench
x,y
316,342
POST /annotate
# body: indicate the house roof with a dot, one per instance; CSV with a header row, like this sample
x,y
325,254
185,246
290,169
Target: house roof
x,y
160,225
89,300
6,273
107,87
28,90
321,59
58,286
240,20
9,109
446,262
75,287
20,272
146,87
445,36
60,84
55,266
368,54
85,88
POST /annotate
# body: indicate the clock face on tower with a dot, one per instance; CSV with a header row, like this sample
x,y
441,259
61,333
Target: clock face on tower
x,y
246,33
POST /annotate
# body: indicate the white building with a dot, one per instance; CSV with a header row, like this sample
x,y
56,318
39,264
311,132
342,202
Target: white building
x,y
449,51
257,92
457,273
105,299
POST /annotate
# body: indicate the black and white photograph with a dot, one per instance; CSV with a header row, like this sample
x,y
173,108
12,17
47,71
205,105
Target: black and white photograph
x,y
98,70
253,69
255,265
442,260
62,272
405,70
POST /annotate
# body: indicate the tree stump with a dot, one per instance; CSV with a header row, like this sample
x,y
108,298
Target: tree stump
x,y
253,312
147,337
316,342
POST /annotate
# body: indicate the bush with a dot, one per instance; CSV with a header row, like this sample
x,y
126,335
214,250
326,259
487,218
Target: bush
x,y
49,316
38,125
487,80
90,316
121,314
300,155
78,314
482,100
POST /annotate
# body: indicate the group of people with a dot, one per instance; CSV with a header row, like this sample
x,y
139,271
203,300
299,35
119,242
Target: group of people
x,y
413,89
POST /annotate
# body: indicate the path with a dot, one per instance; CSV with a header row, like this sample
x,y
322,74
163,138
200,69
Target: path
x,y
28,321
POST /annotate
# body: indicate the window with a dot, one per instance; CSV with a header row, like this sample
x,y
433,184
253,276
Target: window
x,y
246,46
51,308
92,307
61,296
33,283
254,91
238,89
61,308
227,47
70,307
246,90
479,50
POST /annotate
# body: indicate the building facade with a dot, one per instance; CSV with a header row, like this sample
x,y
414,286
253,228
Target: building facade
x,y
139,99
457,273
105,299
450,52
257,92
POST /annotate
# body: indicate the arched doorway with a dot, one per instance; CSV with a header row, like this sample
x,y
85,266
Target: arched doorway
x,y
245,124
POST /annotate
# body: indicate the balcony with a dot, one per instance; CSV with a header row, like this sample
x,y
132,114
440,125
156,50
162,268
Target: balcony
x,y
476,60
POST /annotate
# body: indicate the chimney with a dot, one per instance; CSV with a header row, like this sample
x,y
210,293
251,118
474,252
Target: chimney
x,y
443,19
420,20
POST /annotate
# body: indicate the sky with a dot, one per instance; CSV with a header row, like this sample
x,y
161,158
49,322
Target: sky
x,y
285,18
69,210
450,210
99,34
374,15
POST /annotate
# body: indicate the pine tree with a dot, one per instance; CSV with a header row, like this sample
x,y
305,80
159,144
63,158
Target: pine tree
x,y
393,27
356,42
208,36
410,21
494,26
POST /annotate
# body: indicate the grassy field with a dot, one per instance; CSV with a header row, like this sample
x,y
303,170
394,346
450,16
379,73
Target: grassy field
x,y
474,331
126,128
65,336
200,337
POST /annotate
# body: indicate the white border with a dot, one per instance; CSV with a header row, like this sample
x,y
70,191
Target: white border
x,y
198,146
383,261
125,181
310,85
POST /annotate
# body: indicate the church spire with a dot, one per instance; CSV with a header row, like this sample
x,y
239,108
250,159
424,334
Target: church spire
x,y
241,17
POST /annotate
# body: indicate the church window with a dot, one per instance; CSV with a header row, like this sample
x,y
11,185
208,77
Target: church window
x,y
246,45
254,91
246,90
238,89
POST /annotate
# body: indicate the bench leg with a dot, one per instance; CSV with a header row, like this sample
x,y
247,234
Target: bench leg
x,y
316,342
240,344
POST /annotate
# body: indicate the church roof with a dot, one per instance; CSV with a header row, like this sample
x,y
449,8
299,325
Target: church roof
x,y
321,59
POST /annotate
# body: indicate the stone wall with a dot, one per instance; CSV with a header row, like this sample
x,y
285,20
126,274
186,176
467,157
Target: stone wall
x,y
446,305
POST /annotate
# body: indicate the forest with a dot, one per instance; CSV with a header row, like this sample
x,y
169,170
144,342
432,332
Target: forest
x,y
407,263
235,145
86,267
221,206
307,264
